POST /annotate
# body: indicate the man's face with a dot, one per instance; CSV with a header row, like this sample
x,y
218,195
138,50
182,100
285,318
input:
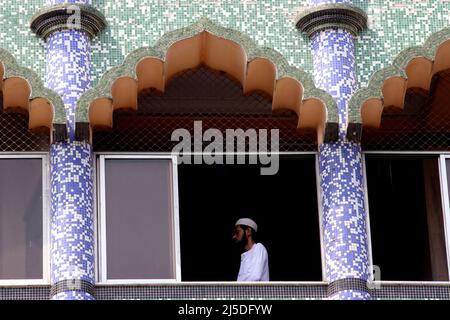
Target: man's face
x,y
240,238
239,234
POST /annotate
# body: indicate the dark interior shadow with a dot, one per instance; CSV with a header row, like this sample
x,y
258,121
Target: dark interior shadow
x,y
213,197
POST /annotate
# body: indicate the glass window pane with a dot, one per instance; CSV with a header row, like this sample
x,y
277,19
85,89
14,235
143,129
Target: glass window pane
x,y
21,219
139,232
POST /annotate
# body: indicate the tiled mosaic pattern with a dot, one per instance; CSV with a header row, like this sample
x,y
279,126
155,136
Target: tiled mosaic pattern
x,y
285,292
73,295
411,292
52,2
135,24
393,26
344,220
68,69
334,68
72,237
213,292
16,36
318,2
350,295
72,234
25,293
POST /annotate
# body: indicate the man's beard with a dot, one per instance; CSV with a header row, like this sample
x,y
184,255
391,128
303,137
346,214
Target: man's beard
x,y
240,245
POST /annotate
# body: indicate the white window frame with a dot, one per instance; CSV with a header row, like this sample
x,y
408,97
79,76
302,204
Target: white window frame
x,y
321,218
99,237
100,225
441,156
445,202
45,219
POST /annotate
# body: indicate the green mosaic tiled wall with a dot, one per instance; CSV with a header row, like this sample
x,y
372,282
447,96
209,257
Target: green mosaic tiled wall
x,y
393,26
16,37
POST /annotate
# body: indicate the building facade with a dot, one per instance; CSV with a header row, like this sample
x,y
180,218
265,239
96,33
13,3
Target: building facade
x,y
117,164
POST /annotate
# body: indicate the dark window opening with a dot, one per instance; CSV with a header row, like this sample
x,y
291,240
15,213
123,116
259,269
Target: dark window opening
x,y
406,218
213,197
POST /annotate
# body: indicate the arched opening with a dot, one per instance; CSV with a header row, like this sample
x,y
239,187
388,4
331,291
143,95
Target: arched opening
x,y
24,124
22,176
24,98
405,189
206,94
402,119
207,99
15,134
200,94
31,117
421,123
205,45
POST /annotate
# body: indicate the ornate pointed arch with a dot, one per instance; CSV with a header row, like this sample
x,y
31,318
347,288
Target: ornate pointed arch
x,y
230,51
23,91
413,69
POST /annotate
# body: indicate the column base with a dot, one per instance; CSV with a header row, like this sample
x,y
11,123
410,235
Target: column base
x,y
348,289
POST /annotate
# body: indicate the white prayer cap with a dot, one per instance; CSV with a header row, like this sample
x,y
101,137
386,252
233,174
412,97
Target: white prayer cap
x,y
247,222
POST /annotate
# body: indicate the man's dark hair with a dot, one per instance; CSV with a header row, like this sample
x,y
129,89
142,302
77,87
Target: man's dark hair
x,y
244,227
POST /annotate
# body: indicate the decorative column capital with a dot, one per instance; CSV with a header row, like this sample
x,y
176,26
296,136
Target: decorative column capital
x,y
332,16
67,16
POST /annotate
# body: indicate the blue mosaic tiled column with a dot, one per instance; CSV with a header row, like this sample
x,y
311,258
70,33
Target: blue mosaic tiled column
x,y
72,234
72,237
344,219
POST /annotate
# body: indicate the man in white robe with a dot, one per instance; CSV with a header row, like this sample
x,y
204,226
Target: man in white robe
x,y
254,259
